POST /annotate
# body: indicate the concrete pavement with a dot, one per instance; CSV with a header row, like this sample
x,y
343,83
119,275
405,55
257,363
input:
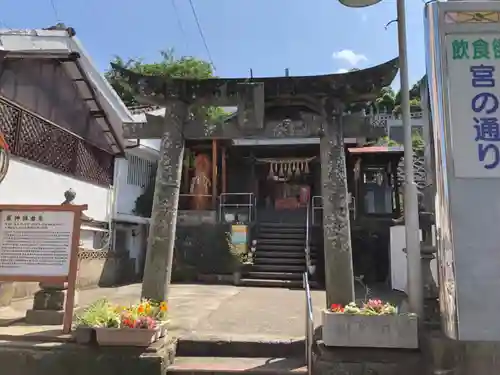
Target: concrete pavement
x,y
215,311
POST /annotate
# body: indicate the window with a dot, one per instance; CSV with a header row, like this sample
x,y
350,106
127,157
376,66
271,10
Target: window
x,y
139,171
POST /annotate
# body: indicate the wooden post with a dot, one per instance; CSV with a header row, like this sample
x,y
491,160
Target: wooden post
x,y
185,171
214,173
160,252
339,275
224,171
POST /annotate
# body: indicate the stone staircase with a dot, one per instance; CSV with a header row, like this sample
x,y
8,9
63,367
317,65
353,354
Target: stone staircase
x,y
235,356
279,258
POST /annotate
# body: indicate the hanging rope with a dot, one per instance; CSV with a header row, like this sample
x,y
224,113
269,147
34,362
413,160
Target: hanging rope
x,y
287,167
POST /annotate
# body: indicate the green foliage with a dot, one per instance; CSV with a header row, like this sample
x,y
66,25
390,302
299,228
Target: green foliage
x,y
391,101
168,66
385,141
417,142
98,314
202,250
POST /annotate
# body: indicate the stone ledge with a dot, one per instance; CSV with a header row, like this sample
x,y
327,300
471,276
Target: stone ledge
x,y
239,346
364,361
56,358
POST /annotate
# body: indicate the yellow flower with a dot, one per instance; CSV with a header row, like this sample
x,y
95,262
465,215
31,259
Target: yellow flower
x,y
140,309
163,306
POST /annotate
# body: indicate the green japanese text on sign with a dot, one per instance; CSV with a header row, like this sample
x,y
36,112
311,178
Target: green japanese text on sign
x,y
475,50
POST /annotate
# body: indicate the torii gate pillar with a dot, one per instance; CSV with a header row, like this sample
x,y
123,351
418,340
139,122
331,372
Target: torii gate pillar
x,y
161,241
339,277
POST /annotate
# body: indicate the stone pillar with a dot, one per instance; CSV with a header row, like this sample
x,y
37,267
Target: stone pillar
x,y
48,305
339,278
430,288
161,241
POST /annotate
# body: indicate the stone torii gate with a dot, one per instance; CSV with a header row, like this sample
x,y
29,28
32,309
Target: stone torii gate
x,y
312,105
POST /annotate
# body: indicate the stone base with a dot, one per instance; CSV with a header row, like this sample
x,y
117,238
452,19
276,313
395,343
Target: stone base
x,y
45,317
28,358
366,361
379,331
49,299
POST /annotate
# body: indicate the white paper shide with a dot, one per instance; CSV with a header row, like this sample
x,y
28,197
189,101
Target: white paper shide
x,y
35,243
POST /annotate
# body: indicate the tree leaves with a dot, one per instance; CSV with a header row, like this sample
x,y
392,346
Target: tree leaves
x,y
168,66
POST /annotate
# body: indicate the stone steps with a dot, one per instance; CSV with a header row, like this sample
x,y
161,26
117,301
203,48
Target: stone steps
x,y
270,283
279,258
282,254
219,355
289,242
289,268
237,365
269,260
238,346
275,275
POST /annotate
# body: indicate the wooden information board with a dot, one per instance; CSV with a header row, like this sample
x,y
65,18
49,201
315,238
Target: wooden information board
x,y
40,243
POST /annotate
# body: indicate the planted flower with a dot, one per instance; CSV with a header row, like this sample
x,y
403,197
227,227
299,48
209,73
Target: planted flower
x,y
373,323
136,325
371,307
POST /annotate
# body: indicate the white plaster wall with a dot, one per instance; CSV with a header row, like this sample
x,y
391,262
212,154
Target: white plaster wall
x,y
26,183
135,244
125,194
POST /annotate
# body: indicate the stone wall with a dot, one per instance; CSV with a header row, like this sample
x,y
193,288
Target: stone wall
x,y
95,268
202,249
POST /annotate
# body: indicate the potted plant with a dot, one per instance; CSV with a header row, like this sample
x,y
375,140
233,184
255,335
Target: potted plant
x,y
158,310
130,326
137,325
86,320
373,323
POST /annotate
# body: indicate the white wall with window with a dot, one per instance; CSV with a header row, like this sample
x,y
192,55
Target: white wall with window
x,y
133,175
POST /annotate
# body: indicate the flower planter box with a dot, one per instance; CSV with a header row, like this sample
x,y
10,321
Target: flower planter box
x,y
84,335
374,331
126,336
162,328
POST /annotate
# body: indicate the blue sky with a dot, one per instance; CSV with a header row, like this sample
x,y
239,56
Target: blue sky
x,y
307,36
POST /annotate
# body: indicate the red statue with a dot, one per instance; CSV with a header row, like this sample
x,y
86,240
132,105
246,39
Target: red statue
x,y
201,183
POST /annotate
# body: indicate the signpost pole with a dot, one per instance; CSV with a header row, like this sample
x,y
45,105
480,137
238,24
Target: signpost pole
x,y
414,264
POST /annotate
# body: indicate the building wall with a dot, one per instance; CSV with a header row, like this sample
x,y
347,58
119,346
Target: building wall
x,y
44,87
132,177
394,124
26,183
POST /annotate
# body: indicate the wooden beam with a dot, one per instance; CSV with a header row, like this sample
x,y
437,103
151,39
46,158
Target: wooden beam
x,y
224,170
214,172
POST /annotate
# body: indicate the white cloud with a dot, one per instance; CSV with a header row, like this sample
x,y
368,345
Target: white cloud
x,y
350,56
341,70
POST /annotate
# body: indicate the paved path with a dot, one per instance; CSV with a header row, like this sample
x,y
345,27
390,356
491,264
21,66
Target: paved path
x,y
209,310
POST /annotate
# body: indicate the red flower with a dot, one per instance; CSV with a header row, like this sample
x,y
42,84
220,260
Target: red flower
x,y
335,307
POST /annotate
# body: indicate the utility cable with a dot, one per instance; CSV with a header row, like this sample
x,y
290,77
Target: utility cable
x,y
54,9
200,30
179,23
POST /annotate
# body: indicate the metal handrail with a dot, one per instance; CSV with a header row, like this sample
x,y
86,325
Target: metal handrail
x,y
316,206
307,250
309,323
250,205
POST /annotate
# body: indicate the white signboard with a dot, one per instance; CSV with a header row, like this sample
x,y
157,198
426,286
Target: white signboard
x,y
473,62
35,243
